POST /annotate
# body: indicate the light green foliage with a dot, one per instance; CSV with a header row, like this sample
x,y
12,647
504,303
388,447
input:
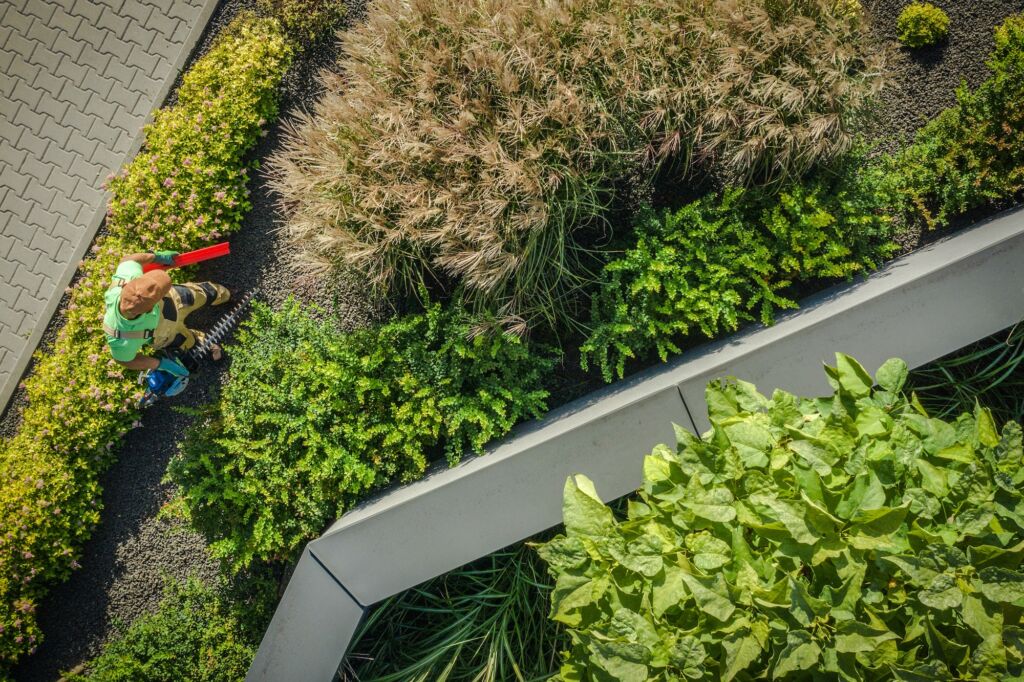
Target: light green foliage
x,y
185,188
724,259
197,633
850,537
972,154
312,418
469,142
305,21
921,24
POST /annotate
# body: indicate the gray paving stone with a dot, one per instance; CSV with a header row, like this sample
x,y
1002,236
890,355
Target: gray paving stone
x,y
36,169
50,83
27,258
13,179
40,217
17,206
42,10
9,130
41,241
63,182
88,10
6,242
29,303
17,20
68,45
6,59
23,92
53,130
30,122
45,58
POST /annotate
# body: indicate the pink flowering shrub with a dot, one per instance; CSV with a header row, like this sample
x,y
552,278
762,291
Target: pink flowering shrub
x,y
185,189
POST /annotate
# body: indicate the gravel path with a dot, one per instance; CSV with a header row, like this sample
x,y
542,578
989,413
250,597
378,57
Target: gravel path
x,y
126,561
132,550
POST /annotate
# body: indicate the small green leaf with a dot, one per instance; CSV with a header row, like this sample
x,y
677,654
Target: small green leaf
x,y
985,431
583,511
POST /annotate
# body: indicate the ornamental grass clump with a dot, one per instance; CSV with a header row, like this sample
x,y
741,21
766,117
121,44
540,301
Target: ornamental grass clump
x,y
475,142
921,24
972,154
311,419
849,537
183,190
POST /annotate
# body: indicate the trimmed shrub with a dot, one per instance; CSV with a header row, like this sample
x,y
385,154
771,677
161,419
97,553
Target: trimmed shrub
x,y
305,21
972,154
849,537
726,258
312,418
197,633
921,24
469,142
185,188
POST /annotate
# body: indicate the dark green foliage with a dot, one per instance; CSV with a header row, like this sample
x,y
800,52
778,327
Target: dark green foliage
x,y
972,154
921,24
725,259
197,634
850,537
311,419
988,372
485,622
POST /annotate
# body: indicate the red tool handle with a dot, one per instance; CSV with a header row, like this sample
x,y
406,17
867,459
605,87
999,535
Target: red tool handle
x,y
192,257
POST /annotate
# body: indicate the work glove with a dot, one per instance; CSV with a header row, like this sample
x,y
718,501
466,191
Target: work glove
x,y
164,257
174,367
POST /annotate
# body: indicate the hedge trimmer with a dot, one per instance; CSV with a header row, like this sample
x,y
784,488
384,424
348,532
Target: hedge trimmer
x,y
162,383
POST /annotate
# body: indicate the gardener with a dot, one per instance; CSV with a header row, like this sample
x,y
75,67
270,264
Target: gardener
x,y
146,307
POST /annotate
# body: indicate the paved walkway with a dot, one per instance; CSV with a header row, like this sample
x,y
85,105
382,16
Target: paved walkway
x,y
78,79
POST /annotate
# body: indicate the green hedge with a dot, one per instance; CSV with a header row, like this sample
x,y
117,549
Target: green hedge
x,y
849,537
185,189
311,419
726,258
972,154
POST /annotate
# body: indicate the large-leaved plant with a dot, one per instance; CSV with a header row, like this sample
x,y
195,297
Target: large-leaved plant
x,y
851,537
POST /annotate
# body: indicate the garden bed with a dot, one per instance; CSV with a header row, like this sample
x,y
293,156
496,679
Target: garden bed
x,y
132,547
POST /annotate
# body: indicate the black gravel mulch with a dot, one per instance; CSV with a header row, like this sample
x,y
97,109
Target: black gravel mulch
x,y
124,563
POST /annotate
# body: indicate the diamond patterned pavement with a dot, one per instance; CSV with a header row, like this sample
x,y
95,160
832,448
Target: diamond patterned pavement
x,y
78,78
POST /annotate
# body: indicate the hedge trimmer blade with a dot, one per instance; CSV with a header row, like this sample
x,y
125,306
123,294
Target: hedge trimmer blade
x,y
160,383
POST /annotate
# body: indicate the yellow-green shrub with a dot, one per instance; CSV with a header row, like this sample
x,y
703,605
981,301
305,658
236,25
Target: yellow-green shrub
x,y
186,188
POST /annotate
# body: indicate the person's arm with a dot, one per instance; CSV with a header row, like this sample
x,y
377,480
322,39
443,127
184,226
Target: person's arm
x,y
140,361
141,259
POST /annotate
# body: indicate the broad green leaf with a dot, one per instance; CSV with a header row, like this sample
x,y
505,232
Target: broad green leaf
x,y
790,514
932,671
933,479
804,607
667,590
921,503
708,551
817,457
892,375
978,619
583,511
864,494
853,636
721,405
801,653
852,376
623,661
713,505
1002,585
688,655
572,593
921,571
752,441
881,521
942,593
708,599
739,651
632,627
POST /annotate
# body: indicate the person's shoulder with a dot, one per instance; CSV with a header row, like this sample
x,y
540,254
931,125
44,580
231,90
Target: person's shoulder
x,y
128,270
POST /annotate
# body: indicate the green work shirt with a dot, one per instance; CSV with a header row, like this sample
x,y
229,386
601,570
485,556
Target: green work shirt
x,y
126,349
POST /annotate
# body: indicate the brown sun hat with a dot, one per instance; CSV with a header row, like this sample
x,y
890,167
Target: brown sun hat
x,y
142,293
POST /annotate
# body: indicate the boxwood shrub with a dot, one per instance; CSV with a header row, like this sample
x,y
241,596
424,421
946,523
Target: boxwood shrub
x,y
184,189
972,154
849,537
312,418
727,258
